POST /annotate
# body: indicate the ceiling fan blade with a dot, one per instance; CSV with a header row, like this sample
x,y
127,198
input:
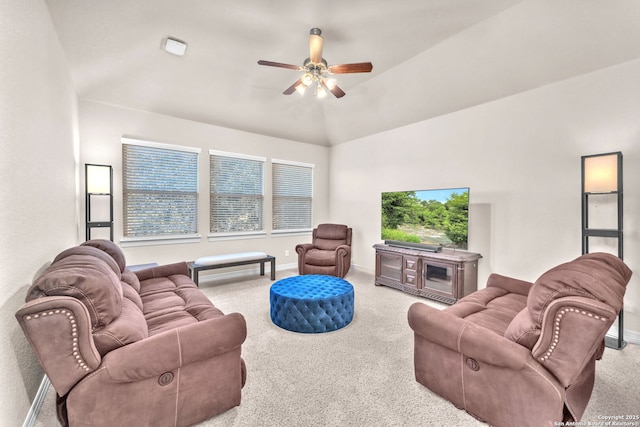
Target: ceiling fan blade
x,y
337,92
332,87
360,67
315,45
279,65
292,88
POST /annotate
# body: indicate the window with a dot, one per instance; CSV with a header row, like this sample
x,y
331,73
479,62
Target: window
x,y
160,190
292,195
237,192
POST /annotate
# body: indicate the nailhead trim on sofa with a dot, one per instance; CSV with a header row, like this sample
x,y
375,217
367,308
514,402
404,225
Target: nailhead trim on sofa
x,y
74,333
556,332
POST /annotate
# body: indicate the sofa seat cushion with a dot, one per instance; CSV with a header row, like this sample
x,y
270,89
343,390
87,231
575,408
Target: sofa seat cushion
x,y
320,257
493,308
174,301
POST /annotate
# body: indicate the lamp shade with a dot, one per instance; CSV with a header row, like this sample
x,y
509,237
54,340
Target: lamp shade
x,y
601,173
98,179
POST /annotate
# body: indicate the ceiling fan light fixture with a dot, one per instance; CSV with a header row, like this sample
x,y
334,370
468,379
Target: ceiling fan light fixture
x,y
330,83
307,79
320,91
301,89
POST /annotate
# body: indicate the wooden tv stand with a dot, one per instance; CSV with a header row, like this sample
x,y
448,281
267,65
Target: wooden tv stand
x,y
443,276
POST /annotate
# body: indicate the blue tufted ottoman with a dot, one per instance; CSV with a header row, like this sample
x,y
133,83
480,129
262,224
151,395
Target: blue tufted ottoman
x,y
311,303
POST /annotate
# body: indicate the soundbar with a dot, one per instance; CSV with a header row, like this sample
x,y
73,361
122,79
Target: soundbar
x,y
420,246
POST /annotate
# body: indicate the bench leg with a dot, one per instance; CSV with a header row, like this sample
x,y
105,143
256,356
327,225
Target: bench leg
x,y
273,269
262,268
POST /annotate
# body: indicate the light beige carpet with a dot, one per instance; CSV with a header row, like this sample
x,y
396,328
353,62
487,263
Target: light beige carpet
x,y
361,375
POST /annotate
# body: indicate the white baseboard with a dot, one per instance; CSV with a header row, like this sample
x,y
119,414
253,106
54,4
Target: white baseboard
x,y
38,400
632,337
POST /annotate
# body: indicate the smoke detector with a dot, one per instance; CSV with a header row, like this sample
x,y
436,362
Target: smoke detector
x,y
175,46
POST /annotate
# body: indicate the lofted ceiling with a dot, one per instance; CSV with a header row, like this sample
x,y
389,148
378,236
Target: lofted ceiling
x,y
430,57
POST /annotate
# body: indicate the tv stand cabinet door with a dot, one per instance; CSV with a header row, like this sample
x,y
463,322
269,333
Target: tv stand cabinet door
x,y
440,278
389,266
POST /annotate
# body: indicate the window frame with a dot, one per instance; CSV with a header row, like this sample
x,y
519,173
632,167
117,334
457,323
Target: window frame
x,y
128,241
237,235
292,231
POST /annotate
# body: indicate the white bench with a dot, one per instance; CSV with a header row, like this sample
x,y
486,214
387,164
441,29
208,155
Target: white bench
x,y
232,260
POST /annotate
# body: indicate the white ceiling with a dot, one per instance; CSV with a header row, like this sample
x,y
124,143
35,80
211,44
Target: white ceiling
x,y
430,57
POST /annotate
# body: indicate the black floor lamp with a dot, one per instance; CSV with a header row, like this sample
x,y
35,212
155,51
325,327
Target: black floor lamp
x,y
98,198
602,212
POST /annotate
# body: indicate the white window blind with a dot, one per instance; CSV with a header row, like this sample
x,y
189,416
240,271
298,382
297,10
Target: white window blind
x,y
237,192
160,190
292,185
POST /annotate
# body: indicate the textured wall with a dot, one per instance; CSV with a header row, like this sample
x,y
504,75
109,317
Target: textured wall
x,y
38,115
101,129
520,156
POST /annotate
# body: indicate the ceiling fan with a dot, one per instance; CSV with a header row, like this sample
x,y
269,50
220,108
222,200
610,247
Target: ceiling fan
x,y
316,72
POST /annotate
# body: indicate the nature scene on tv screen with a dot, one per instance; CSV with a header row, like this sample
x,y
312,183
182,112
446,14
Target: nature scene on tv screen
x,y
433,217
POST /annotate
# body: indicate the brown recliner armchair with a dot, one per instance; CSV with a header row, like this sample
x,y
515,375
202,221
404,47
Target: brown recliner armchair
x,y
329,253
520,353
131,349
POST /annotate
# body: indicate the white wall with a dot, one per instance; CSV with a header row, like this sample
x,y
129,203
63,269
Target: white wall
x,y
101,129
520,156
38,145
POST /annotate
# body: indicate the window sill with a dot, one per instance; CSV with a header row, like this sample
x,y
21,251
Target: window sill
x,y
217,237
127,242
287,233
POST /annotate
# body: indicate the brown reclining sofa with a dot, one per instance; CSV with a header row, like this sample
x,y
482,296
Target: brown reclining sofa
x,y
123,348
518,353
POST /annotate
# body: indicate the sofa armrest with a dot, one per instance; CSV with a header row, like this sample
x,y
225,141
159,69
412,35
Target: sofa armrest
x,y
343,251
515,286
173,349
466,338
573,329
58,329
301,248
163,271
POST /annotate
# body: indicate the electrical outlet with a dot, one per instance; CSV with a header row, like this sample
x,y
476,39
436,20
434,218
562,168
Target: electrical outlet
x,y
286,252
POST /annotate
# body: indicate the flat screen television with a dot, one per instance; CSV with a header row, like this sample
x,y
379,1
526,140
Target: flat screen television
x,y
426,219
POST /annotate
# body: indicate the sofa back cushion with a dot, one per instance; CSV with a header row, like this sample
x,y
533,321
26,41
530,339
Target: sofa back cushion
x,y
597,275
84,273
130,278
523,330
130,326
329,236
95,274
111,249
89,252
